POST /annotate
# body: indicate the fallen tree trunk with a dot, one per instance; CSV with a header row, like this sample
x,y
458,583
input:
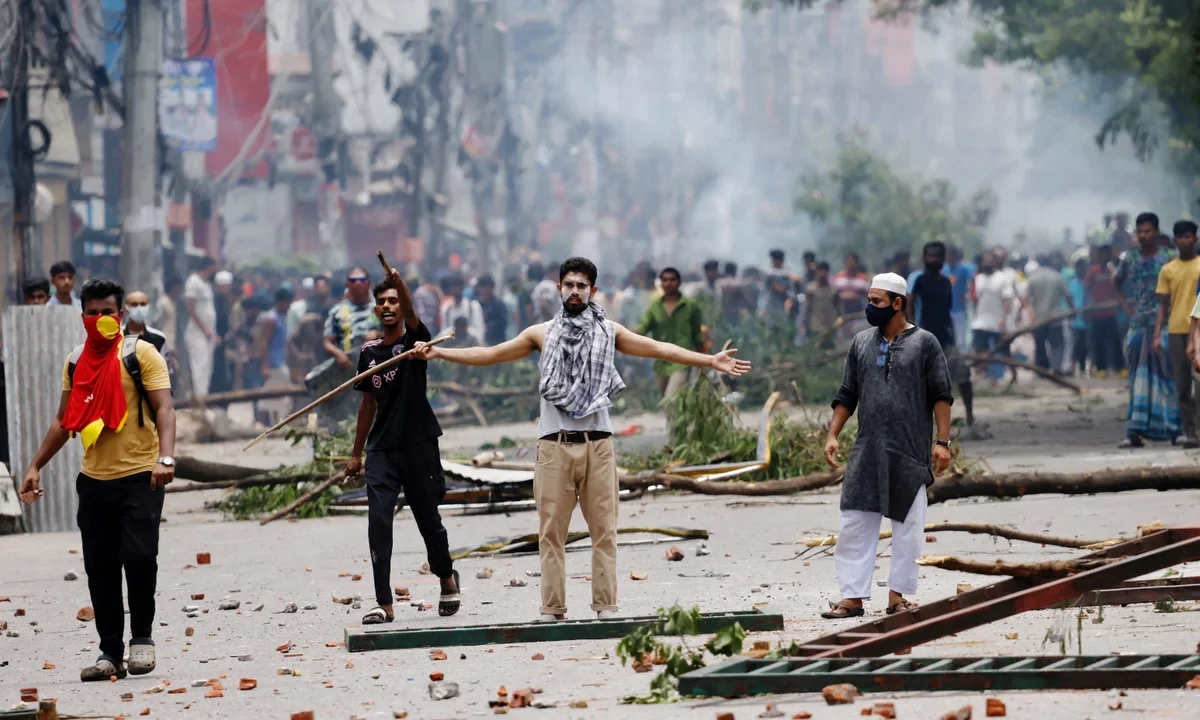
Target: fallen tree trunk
x,y
1049,568
983,529
236,396
189,468
1013,362
815,481
1013,485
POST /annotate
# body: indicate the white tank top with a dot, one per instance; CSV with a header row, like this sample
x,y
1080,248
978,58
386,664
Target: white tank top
x,y
552,420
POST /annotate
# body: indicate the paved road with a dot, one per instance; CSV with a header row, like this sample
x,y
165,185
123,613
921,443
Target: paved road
x,y
300,562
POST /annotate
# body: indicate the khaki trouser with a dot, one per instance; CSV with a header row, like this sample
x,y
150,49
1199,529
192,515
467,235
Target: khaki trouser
x,y
566,473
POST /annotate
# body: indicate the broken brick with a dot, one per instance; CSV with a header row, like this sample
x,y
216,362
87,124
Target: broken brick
x,y
356,577
437,676
85,614
521,698
214,693
674,554
802,715
930,538
963,713
885,709
197,596
725,716
203,559
995,708
286,647
865,711
19,612
635,575
247,684
841,694
962,588
502,692
145,712
1115,705
538,656
437,654
1193,684
305,715
188,632
29,694
47,665
177,691
332,644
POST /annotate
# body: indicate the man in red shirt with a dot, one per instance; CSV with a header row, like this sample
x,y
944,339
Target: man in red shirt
x,y
1105,337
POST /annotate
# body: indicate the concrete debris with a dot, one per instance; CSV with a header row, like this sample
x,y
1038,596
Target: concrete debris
x,y
702,550
884,710
521,698
517,583
259,608
963,713
425,569
443,690
544,704
194,614
158,688
230,605
485,573
310,606
674,554
842,694
71,575
342,600
289,608
191,608
533,573
636,575
437,655
292,672
770,712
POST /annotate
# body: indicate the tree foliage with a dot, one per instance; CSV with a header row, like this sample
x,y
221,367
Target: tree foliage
x,y
1141,56
866,205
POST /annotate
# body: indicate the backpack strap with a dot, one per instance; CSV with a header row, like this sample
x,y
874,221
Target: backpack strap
x,y
132,366
72,361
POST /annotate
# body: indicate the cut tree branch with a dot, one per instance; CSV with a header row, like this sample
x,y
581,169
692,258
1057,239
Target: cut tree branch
x,y
1049,568
1013,485
983,529
646,480
1013,362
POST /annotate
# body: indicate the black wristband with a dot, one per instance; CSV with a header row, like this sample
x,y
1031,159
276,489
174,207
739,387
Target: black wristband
x,y
943,443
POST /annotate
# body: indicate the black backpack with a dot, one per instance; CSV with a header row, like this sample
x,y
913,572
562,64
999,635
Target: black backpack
x,y
132,366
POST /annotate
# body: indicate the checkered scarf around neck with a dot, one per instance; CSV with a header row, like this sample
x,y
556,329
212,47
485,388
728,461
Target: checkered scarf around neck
x,y
578,374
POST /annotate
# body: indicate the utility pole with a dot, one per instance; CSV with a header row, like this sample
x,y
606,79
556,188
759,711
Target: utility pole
x,y
143,61
326,119
22,162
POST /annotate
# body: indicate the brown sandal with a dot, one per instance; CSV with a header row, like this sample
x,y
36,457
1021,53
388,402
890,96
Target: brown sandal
x,y
838,610
901,605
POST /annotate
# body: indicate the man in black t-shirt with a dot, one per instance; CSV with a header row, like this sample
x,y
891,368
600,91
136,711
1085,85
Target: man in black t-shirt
x,y
400,432
930,297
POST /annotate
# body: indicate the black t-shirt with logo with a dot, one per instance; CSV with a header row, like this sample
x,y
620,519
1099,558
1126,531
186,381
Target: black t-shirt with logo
x,y
403,416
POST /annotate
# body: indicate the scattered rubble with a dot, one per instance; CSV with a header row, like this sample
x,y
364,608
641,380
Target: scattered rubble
x,y
637,575
247,684
702,550
963,713
436,676
485,573
203,559
771,711
517,583
230,605
85,614
995,708
443,690
538,657
71,575
437,655
674,554
884,710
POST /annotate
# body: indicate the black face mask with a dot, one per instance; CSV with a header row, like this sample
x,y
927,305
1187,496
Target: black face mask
x,y
880,316
934,267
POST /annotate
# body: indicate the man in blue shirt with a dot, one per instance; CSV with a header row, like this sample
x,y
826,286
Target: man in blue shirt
x,y
931,295
961,273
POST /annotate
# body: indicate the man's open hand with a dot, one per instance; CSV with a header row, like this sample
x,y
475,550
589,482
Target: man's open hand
x,y
725,362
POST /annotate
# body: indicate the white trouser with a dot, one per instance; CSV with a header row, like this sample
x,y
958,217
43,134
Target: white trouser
x,y
200,359
858,542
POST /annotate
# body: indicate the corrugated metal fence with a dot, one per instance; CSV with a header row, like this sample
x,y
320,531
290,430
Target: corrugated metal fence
x,y
37,341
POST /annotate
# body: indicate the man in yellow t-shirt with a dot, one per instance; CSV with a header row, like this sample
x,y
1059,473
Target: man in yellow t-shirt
x,y
1177,296
127,464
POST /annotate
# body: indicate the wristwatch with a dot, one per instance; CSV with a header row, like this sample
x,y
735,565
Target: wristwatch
x,y
943,443
168,461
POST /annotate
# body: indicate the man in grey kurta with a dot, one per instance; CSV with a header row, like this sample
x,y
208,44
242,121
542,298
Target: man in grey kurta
x,y
897,378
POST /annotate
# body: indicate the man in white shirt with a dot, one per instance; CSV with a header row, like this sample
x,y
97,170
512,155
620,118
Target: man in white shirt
x,y
62,274
457,306
994,293
201,334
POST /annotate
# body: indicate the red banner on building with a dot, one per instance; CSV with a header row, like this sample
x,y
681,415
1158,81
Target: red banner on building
x,y
234,34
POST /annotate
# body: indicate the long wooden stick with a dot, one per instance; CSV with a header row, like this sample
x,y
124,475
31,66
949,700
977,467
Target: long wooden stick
x,y
1013,362
342,388
387,269
305,498
1005,341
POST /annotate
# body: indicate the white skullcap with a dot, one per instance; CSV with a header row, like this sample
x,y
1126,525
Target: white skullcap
x,y
223,277
891,282
307,283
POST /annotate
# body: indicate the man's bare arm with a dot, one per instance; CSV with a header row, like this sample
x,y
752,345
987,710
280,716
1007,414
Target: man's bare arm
x,y
941,416
631,343
407,311
521,346
164,420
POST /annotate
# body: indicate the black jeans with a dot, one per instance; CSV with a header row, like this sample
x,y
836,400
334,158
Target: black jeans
x,y
417,470
1048,347
1107,345
118,522
1079,349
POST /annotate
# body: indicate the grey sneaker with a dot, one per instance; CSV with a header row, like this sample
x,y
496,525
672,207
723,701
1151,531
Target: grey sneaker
x,y
104,668
141,656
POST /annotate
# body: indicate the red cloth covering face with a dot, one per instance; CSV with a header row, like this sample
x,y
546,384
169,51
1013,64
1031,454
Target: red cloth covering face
x,y
97,399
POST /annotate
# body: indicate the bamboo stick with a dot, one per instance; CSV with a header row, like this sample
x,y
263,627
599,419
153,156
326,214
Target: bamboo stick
x,y
305,498
342,388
